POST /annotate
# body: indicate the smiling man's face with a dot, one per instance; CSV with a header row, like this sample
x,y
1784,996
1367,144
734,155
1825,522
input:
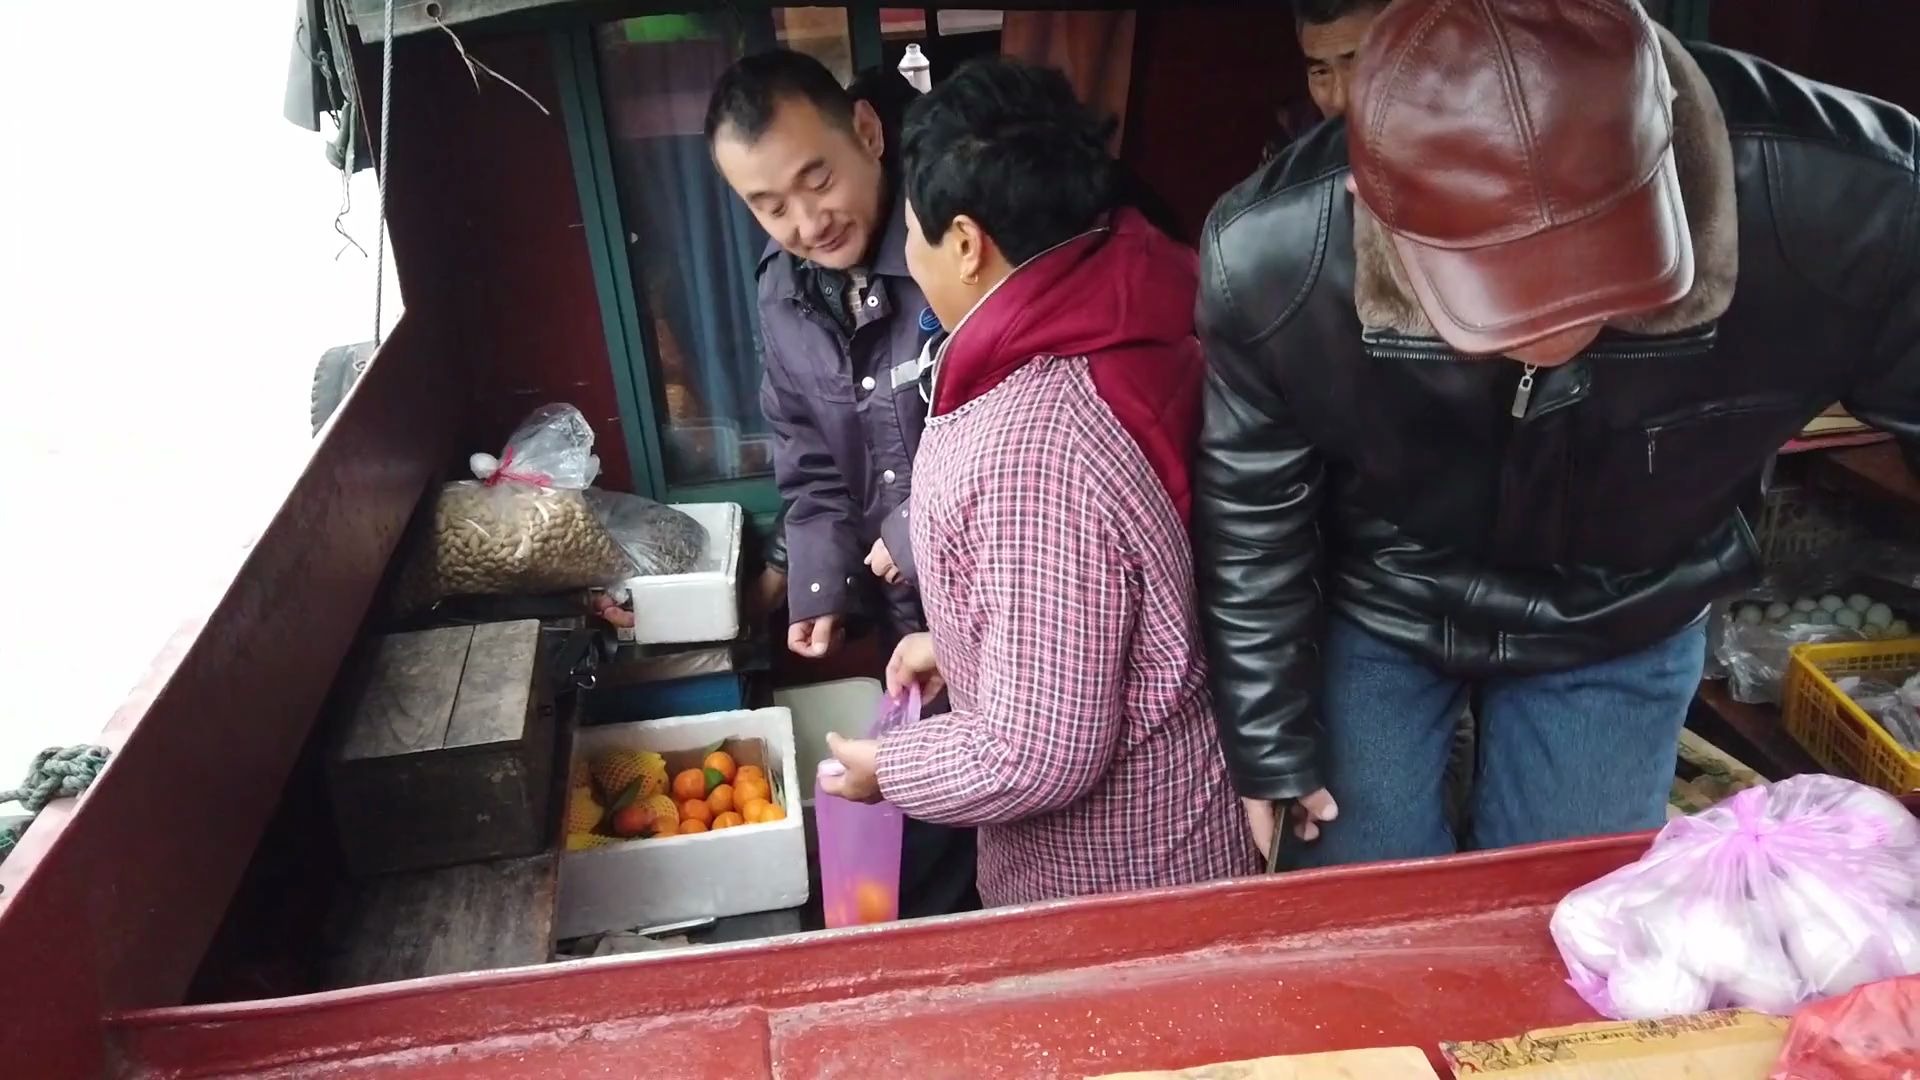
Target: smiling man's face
x,y
815,185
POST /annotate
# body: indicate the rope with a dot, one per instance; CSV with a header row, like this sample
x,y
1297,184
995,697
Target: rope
x,y
386,167
60,772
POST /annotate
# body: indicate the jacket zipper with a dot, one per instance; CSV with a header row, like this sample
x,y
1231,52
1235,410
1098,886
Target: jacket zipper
x,y
1725,408
1523,393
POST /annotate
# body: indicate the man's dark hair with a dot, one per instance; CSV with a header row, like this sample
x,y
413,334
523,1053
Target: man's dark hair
x,y
1318,12
1008,145
750,91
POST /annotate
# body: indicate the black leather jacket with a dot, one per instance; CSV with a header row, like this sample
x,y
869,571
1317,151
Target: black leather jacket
x,y
1384,478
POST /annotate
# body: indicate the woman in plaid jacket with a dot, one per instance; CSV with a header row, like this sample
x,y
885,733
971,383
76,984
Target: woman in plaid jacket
x,y
1051,503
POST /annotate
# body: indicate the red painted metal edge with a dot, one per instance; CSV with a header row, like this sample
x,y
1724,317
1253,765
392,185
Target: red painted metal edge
x,y
1289,911
110,901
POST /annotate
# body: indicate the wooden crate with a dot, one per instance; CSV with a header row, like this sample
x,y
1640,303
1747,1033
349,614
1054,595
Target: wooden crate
x,y
445,752
474,917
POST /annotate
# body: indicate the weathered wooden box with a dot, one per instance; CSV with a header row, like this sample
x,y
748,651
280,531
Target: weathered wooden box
x,y
445,752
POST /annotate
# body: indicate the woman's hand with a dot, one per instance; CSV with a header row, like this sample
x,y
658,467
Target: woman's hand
x,y
913,662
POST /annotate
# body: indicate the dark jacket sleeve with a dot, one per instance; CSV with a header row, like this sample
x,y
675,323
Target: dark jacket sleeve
x,y
776,552
897,531
1887,395
1257,489
823,540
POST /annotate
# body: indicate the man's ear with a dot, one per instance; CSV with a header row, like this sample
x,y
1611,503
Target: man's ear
x,y
970,244
867,128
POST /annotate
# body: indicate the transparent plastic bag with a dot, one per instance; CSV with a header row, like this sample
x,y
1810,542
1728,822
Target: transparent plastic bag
x,y
1872,1033
658,538
1896,708
526,526
1779,895
1757,632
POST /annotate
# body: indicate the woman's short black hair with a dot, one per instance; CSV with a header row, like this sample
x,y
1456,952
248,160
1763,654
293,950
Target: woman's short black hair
x,y
1008,144
1321,12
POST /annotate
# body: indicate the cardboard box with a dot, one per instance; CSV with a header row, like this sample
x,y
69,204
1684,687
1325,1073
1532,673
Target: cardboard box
x,y
667,879
701,605
1731,1045
1395,1063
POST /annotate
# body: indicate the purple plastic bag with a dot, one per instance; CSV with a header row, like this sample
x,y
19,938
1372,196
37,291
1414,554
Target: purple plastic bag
x,y
860,842
1779,895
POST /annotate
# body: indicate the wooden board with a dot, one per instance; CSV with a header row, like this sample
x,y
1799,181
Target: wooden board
x,y
411,682
497,686
1729,1045
1393,1063
474,917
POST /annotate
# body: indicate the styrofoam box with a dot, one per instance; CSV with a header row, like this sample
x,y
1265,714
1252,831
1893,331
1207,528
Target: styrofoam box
x,y
844,707
700,605
666,879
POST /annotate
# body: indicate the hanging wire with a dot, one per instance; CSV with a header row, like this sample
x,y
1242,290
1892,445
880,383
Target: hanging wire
x,y
385,169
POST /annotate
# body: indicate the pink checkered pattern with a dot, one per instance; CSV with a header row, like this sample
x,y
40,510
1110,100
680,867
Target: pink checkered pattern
x,y
1058,582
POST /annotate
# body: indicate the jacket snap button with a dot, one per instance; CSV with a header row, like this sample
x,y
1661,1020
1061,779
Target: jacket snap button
x,y
887,476
815,587
873,301
867,383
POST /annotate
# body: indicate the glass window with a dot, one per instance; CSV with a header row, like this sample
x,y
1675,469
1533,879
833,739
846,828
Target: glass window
x,y
692,245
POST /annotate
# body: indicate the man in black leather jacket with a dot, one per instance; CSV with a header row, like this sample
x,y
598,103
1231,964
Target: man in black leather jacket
x,y
1483,427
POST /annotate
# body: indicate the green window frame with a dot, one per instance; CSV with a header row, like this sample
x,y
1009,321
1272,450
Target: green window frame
x,y
634,367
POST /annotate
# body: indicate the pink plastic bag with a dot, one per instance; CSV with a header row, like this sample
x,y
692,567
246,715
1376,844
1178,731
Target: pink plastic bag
x,y
1872,1033
860,842
1780,895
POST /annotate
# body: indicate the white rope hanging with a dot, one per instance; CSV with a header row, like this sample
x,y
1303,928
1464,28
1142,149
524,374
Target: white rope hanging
x,y
385,168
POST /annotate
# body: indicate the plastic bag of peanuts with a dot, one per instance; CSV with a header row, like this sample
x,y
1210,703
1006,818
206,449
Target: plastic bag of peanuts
x,y
526,525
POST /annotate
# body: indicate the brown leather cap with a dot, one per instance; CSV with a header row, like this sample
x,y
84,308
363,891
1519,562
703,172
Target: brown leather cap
x,y
1520,154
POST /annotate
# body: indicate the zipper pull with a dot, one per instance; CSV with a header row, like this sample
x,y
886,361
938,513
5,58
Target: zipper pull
x,y
1524,392
1652,434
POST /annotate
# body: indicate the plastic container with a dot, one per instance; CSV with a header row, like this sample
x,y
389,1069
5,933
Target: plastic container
x,y
702,605
860,842
844,706
1838,733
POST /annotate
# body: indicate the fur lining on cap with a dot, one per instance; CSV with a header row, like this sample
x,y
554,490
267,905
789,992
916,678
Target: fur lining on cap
x,y
1703,155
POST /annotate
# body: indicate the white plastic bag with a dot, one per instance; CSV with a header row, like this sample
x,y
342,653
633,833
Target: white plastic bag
x,y
1779,895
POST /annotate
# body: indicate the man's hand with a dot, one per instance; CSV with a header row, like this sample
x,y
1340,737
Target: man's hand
x,y
1309,813
880,561
861,781
814,638
913,662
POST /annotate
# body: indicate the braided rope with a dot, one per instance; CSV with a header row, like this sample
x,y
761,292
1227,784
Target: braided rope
x,y
60,772
385,168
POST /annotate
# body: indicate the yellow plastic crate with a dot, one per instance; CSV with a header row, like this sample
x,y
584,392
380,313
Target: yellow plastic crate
x,y
1838,733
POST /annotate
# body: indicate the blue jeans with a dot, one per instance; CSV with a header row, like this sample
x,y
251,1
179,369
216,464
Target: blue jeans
x,y
1571,753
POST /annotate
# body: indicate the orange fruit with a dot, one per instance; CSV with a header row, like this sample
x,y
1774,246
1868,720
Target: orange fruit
x,y
873,902
691,826
754,811
745,791
721,798
773,812
690,784
728,820
633,819
721,762
696,810
749,772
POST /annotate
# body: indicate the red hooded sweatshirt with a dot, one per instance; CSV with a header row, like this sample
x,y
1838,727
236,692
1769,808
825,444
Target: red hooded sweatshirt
x,y
1051,497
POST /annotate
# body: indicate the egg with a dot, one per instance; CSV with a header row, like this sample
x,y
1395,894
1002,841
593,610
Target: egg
x,y
1655,987
1898,628
1860,602
1831,602
1879,615
1748,615
1821,618
1588,936
1778,610
1897,829
1805,604
1848,618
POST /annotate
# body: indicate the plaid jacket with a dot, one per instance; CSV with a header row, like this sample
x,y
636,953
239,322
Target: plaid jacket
x,y
1058,582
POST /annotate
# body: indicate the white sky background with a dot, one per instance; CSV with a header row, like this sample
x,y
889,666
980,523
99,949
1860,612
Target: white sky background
x,y
167,281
